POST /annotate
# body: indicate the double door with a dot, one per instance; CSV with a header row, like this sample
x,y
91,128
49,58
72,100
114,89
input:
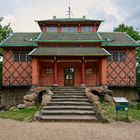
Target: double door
x,y
69,76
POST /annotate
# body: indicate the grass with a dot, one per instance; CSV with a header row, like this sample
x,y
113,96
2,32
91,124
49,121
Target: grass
x,y
110,113
20,114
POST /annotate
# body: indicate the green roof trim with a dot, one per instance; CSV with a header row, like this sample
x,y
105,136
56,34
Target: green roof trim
x,y
69,51
18,45
127,45
70,40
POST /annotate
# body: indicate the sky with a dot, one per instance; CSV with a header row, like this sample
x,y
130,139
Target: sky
x,y
23,13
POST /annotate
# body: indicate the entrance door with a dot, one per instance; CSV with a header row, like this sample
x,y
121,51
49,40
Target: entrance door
x,y
68,76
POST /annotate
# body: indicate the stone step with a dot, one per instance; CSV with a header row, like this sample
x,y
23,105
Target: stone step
x,y
69,99
68,96
69,118
68,87
62,107
69,103
78,90
67,112
65,93
68,91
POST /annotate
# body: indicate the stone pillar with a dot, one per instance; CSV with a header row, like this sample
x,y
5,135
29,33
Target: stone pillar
x,y
103,73
55,72
35,71
83,73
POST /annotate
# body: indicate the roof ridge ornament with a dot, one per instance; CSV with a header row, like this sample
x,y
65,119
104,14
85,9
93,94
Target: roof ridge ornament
x,y
69,12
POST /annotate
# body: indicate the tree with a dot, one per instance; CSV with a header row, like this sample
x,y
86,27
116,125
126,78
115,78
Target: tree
x,y
5,31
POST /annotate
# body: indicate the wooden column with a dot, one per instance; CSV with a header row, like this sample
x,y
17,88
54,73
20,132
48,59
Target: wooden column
x,y
35,72
83,73
103,72
44,28
55,72
79,29
58,28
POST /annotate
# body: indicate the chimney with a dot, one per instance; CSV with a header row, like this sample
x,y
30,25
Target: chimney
x,y
54,17
84,17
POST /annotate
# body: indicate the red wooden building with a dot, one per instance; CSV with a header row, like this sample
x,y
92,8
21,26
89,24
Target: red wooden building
x,y
69,52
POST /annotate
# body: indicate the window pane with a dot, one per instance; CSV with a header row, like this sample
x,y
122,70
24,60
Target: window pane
x,y
115,56
69,29
29,58
86,29
22,56
110,58
51,29
16,56
122,57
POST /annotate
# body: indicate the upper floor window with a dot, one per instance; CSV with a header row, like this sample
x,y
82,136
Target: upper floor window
x,y
69,29
86,29
51,29
122,56
21,56
117,56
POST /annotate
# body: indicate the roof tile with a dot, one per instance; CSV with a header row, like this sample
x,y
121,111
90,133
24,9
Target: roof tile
x,y
20,39
69,51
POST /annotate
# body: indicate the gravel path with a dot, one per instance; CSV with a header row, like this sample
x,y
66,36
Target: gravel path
x,y
14,130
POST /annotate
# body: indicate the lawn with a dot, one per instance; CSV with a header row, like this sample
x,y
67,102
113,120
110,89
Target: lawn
x,y
20,114
109,113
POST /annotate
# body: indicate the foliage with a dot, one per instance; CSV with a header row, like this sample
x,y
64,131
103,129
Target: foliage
x,y
20,114
133,113
0,73
5,31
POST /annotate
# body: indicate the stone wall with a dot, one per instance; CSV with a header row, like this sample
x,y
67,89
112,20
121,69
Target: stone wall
x,y
128,92
11,96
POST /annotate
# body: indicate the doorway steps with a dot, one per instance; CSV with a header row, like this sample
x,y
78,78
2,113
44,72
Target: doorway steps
x,y
68,104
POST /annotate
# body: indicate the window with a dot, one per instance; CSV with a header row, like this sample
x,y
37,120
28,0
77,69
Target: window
x,y
49,70
21,56
109,58
69,29
122,57
117,56
51,29
86,29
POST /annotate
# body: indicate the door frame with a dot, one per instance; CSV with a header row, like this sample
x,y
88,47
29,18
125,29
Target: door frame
x,y
69,74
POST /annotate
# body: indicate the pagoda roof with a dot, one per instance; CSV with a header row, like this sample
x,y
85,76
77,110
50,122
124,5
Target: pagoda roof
x,y
69,37
27,39
68,20
117,39
20,39
69,51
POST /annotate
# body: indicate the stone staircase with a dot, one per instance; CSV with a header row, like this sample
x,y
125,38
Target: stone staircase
x,y
68,103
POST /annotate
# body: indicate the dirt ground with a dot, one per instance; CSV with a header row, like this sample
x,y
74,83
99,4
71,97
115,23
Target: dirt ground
x,y
14,130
